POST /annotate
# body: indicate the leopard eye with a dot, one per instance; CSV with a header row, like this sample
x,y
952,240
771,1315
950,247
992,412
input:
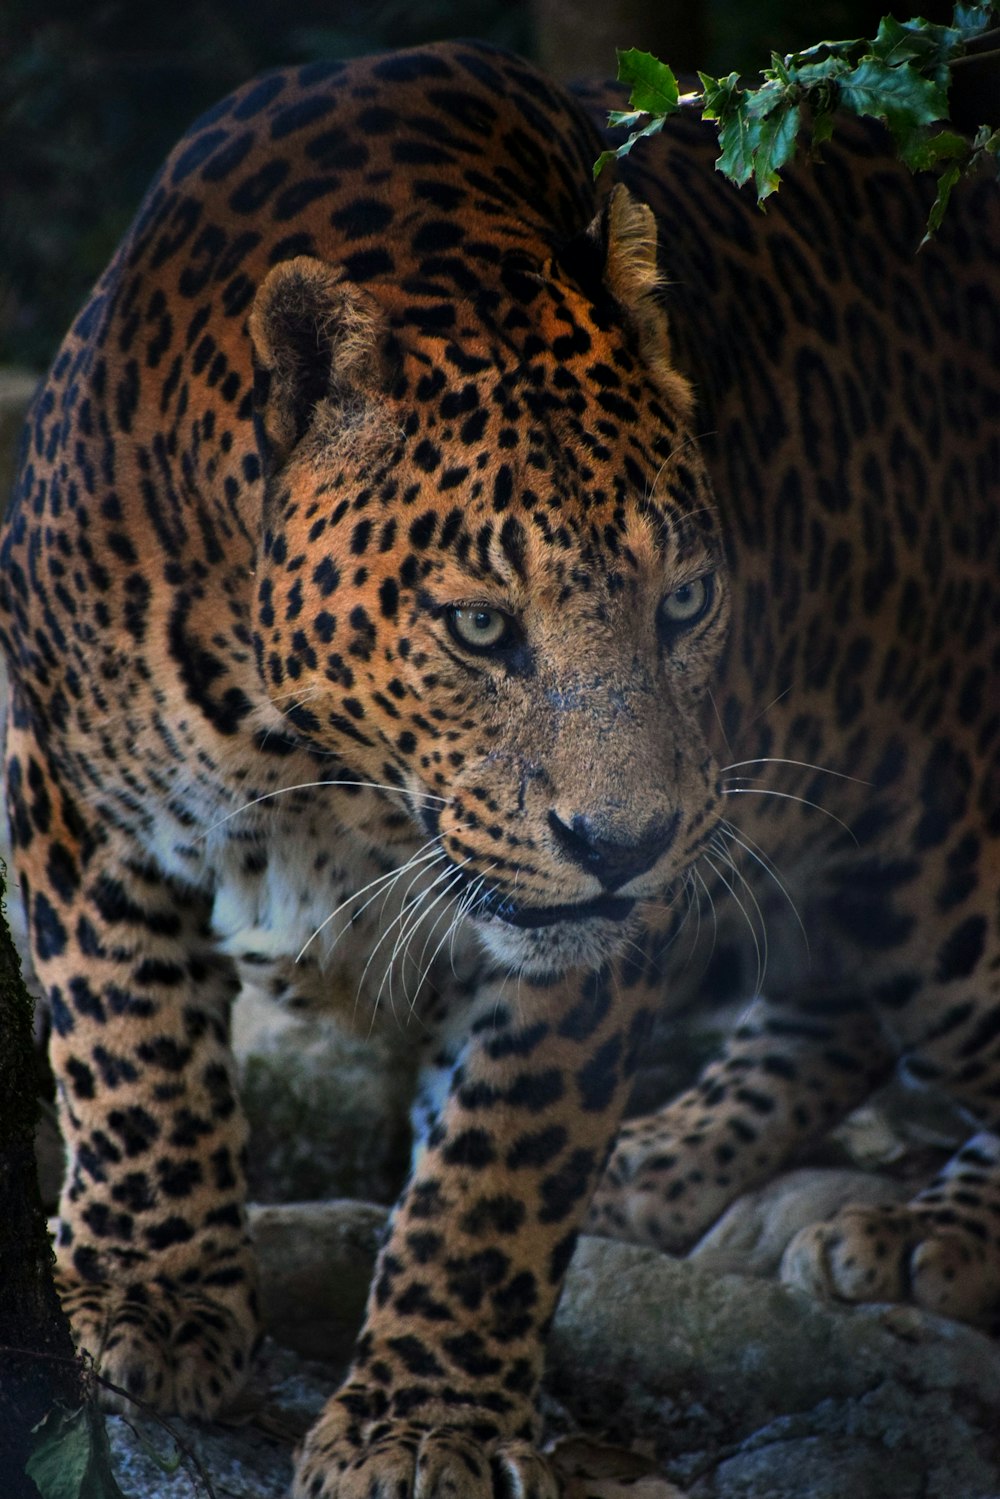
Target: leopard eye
x,y
479,627
686,605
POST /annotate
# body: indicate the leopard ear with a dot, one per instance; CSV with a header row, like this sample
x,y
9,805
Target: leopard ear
x,y
316,339
626,234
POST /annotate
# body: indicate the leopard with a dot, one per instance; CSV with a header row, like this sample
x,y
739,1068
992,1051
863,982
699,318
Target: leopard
x,y
415,552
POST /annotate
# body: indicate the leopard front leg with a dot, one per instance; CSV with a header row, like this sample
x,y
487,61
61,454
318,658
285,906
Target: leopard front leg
x,y
441,1396
785,1076
154,1263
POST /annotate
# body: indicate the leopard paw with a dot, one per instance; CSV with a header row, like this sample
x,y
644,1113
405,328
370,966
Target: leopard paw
x,y
177,1350
899,1254
344,1457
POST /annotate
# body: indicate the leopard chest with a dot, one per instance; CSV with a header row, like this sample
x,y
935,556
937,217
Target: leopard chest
x,y
319,920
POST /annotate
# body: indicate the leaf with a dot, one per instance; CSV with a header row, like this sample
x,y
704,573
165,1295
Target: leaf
x,y
899,96
923,152
778,134
71,1458
615,154
654,87
720,94
815,74
61,1456
900,42
736,157
822,129
970,20
758,148
835,49
946,182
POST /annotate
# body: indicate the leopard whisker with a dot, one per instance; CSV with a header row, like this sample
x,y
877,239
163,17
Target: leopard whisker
x,y
387,879
719,848
798,764
409,902
456,917
463,908
756,853
761,966
423,796
405,939
789,797
711,906
411,918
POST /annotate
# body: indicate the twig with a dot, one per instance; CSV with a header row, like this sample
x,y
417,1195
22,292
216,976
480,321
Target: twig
x,y
94,1376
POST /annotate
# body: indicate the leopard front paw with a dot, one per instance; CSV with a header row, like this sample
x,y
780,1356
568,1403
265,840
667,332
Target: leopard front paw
x,y
899,1253
179,1350
351,1454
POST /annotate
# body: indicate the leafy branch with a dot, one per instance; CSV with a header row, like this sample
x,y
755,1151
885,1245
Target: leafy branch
x,y
901,77
71,1454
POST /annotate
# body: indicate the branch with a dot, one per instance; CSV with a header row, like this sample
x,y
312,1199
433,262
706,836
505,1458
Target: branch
x,y
901,76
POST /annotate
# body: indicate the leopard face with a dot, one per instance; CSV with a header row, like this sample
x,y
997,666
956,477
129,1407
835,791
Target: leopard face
x,y
501,594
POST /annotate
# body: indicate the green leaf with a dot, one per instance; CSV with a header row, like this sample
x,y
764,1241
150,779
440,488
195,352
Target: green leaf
x,y
654,87
721,95
970,20
921,41
946,182
774,149
772,95
71,1458
899,96
835,49
736,157
822,129
923,152
653,128
816,74
625,118
757,148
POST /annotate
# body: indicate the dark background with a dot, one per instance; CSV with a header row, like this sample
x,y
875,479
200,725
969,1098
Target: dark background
x,y
93,95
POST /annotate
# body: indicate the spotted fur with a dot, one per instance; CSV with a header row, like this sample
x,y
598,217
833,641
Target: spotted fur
x,y
365,600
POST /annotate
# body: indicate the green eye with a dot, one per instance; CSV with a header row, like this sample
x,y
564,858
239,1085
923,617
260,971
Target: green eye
x,y
686,605
478,627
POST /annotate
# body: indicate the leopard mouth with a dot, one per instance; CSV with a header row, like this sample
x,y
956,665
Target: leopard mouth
x,y
530,918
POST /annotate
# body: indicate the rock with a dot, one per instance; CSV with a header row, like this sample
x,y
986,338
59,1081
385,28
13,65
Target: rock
x,y
705,1364
739,1388
250,1458
316,1260
751,1235
328,1109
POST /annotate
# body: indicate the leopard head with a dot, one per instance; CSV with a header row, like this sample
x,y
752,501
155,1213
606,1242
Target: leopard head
x,y
490,577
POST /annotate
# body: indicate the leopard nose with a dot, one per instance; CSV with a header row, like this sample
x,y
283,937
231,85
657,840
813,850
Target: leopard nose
x,y
614,862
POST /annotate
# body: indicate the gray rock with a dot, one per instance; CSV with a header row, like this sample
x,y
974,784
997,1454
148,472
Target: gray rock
x,y
745,1389
730,1376
316,1260
328,1108
752,1234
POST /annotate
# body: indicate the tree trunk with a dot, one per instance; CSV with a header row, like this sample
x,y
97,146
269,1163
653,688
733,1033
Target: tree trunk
x,y
31,1319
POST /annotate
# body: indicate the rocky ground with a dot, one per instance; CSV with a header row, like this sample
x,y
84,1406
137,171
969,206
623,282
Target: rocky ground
x,y
696,1379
